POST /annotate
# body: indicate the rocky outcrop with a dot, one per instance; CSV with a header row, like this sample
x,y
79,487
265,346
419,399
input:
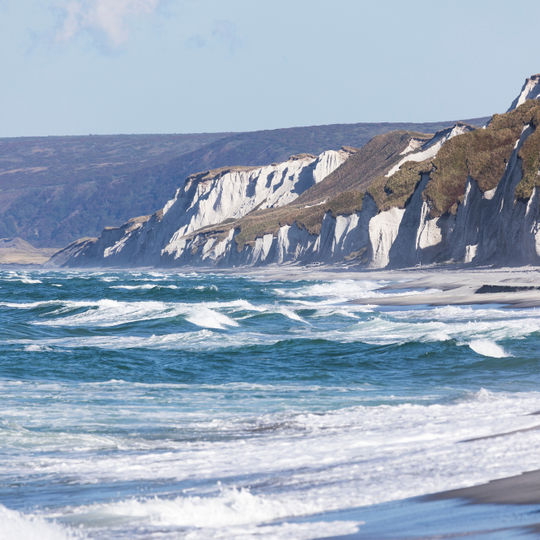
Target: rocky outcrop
x,y
530,90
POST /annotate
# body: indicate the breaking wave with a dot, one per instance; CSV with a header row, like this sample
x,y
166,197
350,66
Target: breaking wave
x,y
19,526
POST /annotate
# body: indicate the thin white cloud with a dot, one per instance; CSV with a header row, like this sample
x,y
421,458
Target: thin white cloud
x,y
106,16
223,34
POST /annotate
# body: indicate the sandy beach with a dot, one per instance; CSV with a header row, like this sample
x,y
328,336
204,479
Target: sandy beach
x,y
434,286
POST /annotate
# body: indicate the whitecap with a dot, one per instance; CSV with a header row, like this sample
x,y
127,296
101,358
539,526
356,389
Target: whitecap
x,y
144,286
486,347
290,314
29,305
108,312
184,341
109,279
19,526
339,290
206,288
36,347
229,508
209,318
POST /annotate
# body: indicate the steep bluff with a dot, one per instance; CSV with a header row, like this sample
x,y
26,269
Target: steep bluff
x,y
205,199
529,90
464,195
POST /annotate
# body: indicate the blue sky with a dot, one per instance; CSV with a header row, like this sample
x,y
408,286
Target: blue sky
x,y
177,66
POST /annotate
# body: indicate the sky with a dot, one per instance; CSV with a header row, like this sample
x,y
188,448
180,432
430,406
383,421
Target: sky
x,y
181,66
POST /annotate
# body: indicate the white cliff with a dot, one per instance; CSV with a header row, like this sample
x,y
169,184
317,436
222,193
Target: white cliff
x,y
530,90
419,150
210,198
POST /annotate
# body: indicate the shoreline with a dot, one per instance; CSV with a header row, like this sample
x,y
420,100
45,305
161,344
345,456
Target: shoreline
x,y
503,508
521,489
511,287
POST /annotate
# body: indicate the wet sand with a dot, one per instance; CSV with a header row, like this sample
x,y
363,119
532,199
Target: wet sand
x,y
521,489
503,509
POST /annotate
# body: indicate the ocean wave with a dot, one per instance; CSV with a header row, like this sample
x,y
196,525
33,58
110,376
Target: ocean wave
x,y
200,340
229,507
143,287
34,305
417,442
399,328
209,318
19,526
107,312
485,347
339,290
236,511
36,347
22,277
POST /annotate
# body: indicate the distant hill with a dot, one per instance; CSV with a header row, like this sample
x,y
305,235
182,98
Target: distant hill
x,y
18,251
56,189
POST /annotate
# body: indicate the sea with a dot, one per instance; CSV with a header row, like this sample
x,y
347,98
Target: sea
x,y
163,405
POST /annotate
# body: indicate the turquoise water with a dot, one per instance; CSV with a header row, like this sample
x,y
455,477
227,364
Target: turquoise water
x,y
163,405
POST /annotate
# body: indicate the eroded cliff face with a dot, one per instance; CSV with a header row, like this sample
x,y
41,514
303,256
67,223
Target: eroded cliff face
x,y
463,196
529,90
491,227
206,199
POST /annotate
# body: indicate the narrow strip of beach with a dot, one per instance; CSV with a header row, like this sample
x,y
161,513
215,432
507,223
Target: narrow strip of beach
x,y
436,286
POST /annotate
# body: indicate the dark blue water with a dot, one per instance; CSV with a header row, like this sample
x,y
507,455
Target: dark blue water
x,y
148,404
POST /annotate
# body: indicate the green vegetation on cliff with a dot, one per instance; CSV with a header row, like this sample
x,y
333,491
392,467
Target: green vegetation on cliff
x,y
341,192
480,154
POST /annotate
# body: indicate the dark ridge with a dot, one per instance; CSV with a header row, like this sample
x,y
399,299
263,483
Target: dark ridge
x,y
484,289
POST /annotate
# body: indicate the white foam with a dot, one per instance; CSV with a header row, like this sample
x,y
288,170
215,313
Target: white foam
x,y
209,318
486,347
17,526
36,347
235,512
111,313
463,325
108,312
30,305
348,457
341,291
230,507
206,288
22,278
290,314
30,281
143,287
335,291
184,341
